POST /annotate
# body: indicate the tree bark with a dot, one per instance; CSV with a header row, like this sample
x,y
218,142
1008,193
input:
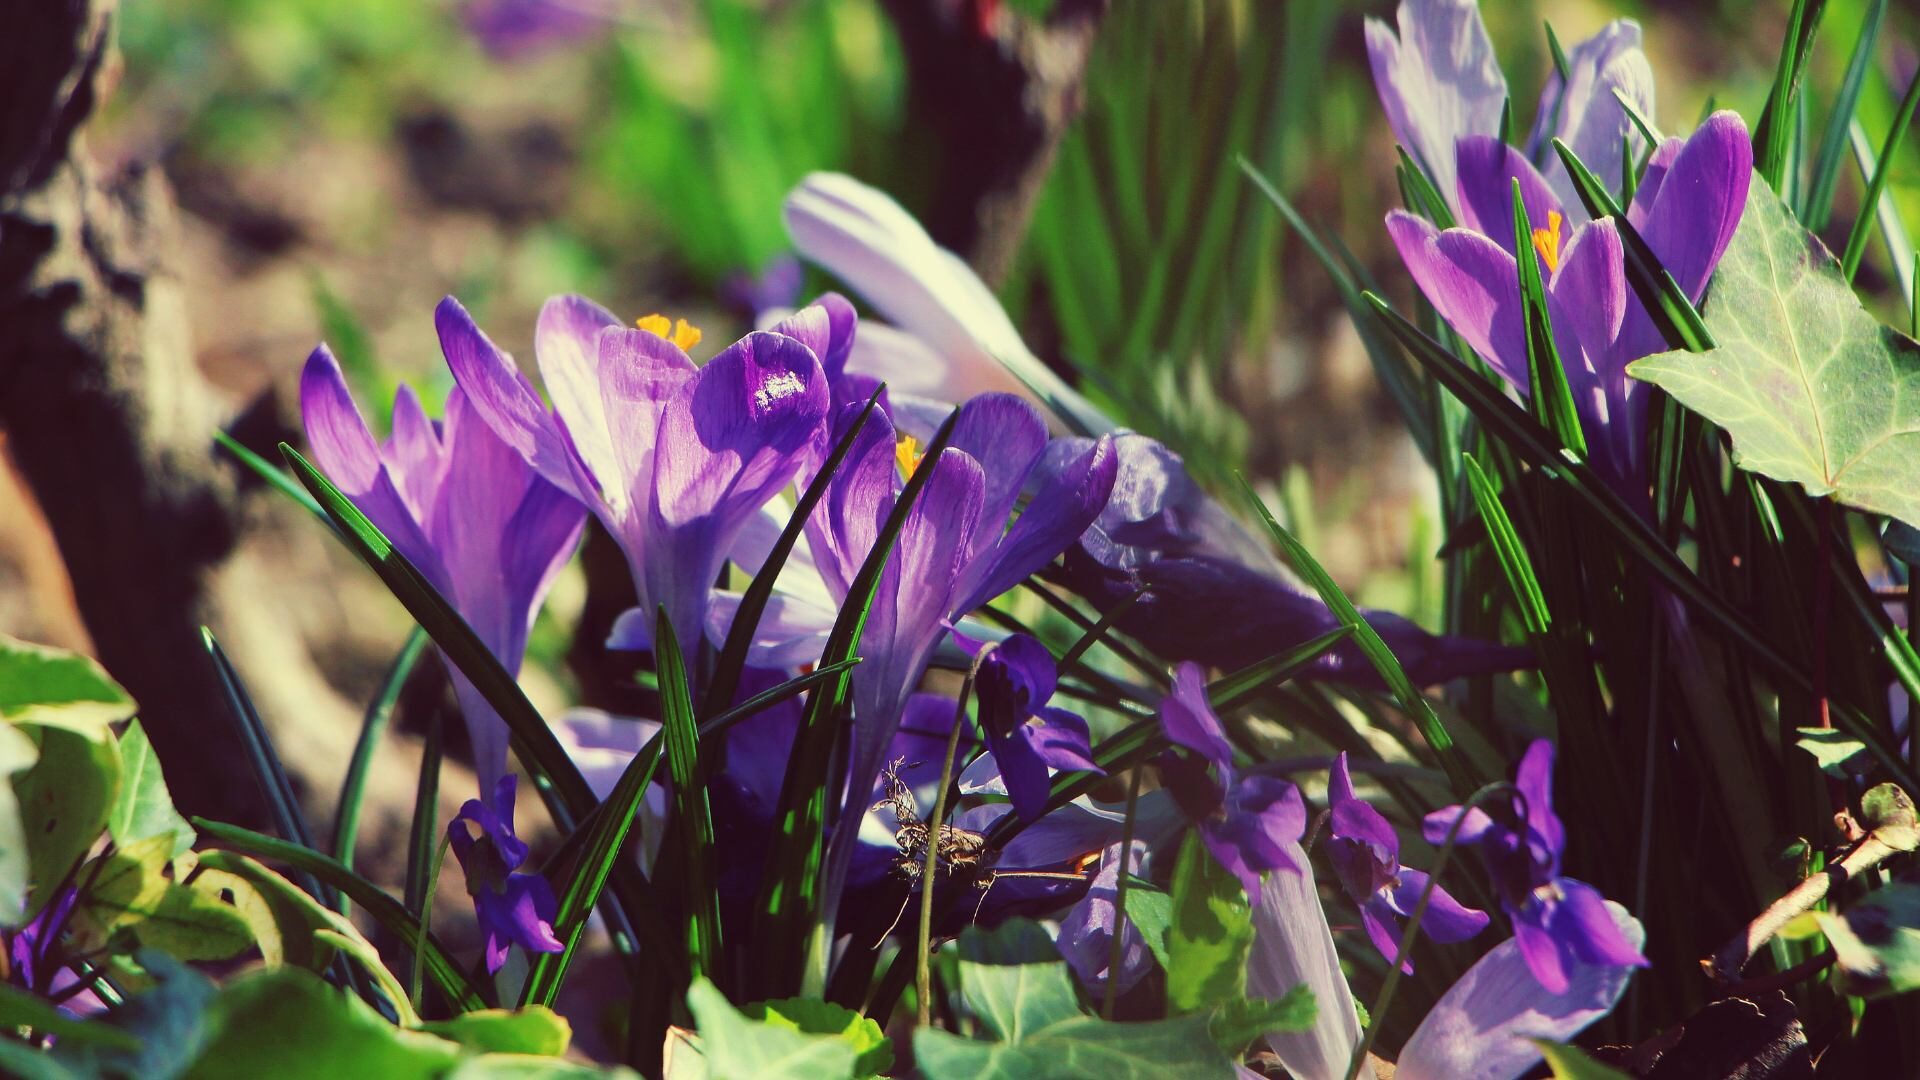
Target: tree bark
x,y
997,92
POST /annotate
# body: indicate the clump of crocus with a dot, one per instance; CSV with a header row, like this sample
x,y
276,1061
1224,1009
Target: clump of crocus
x,y
1559,923
513,908
1366,855
1250,823
1026,736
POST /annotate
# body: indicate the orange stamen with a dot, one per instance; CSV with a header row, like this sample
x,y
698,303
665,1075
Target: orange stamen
x,y
682,333
1547,241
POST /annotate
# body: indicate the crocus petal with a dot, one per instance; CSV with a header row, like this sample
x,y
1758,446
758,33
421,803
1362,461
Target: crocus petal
x,y
1483,1026
505,399
864,238
1700,201
415,456
1475,286
1292,945
792,631
1438,81
566,344
636,374
1086,931
1189,720
729,439
1587,116
847,523
1066,503
1487,170
1652,179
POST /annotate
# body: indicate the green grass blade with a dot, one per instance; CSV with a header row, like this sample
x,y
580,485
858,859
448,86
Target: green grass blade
x,y
1511,553
1893,231
1509,423
353,790
1817,207
1877,183
1550,398
424,835
1235,687
1678,320
1418,709
1560,65
693,818
1774,131
276,478
1427,200
753,602
794,904
1093,634
382,908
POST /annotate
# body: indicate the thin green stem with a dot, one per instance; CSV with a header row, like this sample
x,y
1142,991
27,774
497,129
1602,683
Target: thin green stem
x,y
1117,953
426,917
353,790
923,972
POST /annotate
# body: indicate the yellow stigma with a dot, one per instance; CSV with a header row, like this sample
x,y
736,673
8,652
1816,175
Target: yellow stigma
x,y
1547,241
681,332
906,452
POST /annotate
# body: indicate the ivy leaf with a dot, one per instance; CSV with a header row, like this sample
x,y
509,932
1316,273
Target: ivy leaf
x,y
1877,941
825,1018
51,687
289,1022
1838,754
532,1030
144,807
1211,932
64,801
1887,811
734,1047
1025,997
1810,386
167,1020
284,919
18,752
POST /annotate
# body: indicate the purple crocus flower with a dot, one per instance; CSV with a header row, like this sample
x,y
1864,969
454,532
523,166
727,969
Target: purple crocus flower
x,y
1558,923
956,549
1686,207
1217,596
514,909
1439,82
1026,736
487,531
674,459
1365,852
1251,824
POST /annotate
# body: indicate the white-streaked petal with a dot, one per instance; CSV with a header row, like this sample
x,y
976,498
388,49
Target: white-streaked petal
x,y
1292,944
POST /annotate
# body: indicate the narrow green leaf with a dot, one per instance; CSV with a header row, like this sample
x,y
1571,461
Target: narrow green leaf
x,y
1560,65
424,835
1549,396
1870,202
693,818
1514,560
1235,687
1773,134
277,478
1675,316
1368,639
1521,433
1427,200
1818,205
1093,634
1572,1063
753,602
382,908
1893,231
353,789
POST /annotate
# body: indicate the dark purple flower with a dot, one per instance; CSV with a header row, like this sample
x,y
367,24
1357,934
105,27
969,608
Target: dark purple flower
x,y
1249,823
1218,596
1365,852
1026,736
513,908
1559,923
462,506
674,459
1686,207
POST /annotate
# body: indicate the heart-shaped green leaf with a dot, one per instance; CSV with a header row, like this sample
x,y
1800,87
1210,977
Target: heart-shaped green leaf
x,y
1812,388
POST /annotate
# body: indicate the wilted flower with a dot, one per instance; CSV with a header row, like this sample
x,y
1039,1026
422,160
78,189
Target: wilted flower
x,y
1026,736
1558,923
487,531
674,459
1687,207
1366,856
1251,824
513,908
